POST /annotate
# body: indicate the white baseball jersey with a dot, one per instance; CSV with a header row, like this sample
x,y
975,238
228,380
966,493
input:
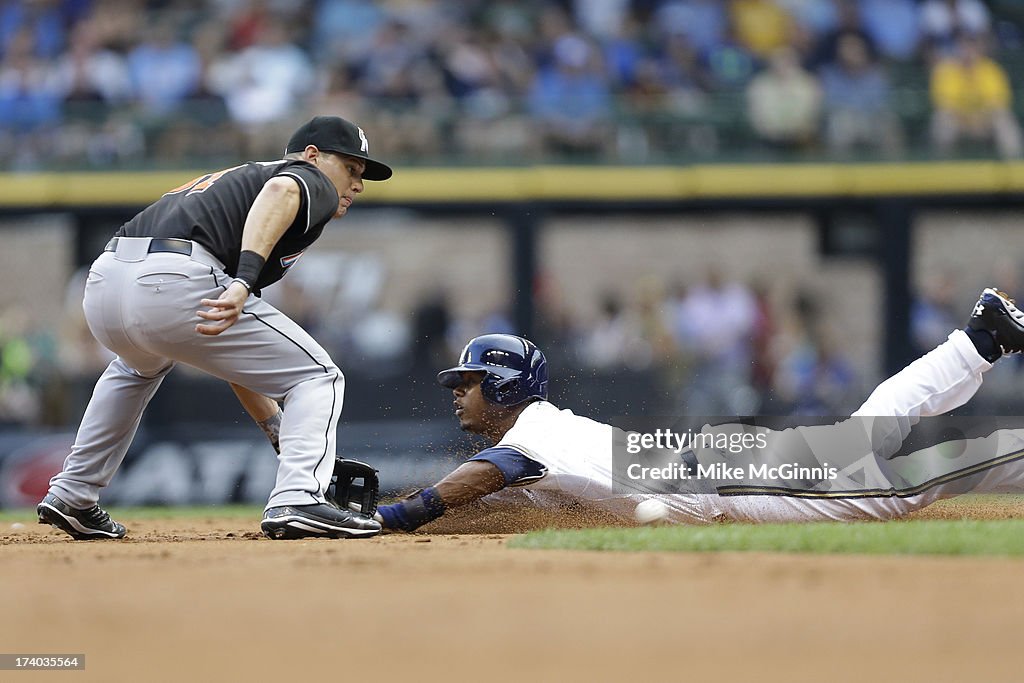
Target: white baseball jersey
x,y
576,454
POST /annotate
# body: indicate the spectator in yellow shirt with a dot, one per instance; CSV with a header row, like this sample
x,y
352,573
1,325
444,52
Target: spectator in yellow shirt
x,y
972,97
762,26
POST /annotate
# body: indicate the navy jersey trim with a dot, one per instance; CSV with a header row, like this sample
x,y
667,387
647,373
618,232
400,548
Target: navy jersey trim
x,y
517,469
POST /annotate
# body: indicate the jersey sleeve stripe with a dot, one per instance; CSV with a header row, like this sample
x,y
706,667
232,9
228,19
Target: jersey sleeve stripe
x,y
309,197
523,481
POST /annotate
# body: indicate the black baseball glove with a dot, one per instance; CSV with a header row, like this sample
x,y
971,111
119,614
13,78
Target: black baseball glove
x,y
347,494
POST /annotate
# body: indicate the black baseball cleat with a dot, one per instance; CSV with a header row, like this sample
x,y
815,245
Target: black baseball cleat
x,y
91,524
316,521
996,314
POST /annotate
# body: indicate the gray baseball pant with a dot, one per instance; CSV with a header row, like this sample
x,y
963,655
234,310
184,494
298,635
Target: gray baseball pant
x,y
142,306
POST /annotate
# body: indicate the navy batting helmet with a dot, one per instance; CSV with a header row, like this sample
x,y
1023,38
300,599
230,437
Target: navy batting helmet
x,y
516,369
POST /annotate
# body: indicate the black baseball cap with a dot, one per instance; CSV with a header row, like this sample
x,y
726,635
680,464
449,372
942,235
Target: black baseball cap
x,y
335,134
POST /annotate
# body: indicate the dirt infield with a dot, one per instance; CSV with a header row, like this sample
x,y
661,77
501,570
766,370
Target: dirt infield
x,y
208,599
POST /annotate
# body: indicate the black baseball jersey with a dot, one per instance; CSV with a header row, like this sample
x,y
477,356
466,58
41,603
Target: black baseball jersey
x,y
212,209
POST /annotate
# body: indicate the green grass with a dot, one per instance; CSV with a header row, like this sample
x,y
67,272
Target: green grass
x,y
920,537
190,512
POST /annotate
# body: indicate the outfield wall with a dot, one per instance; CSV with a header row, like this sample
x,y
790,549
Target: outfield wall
x,y
699,182
176,465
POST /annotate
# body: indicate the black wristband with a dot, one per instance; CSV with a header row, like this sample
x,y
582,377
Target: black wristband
x,y
250,265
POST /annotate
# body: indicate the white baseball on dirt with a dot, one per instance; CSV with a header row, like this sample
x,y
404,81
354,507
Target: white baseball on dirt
x,y
650,511
17,526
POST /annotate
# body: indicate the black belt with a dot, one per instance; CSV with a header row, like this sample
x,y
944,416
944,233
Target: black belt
x,y
171,245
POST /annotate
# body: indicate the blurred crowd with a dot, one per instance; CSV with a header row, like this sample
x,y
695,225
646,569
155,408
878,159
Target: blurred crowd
x,y
145,83
705,343
721,345
717,345
99,83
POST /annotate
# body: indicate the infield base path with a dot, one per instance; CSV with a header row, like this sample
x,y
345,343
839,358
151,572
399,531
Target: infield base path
x,y
208,599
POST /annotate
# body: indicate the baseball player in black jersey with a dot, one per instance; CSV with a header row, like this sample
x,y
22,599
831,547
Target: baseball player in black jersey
x,y
179,283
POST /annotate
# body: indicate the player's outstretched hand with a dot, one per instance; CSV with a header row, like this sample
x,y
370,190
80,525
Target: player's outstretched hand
x,y
224,311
